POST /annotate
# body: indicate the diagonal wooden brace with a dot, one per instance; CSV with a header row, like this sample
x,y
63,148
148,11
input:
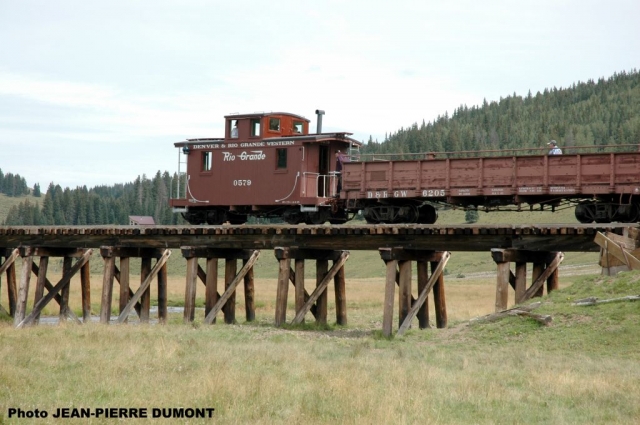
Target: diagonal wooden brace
x,y
37,309
424,293
143,286
322,286
542,278
231,288
12,258
47,284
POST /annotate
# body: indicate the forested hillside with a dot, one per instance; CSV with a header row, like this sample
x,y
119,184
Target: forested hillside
x,y
99,205
594,113
15,185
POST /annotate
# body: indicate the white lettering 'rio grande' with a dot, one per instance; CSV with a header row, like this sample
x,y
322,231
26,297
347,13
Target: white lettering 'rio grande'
x,y
244,156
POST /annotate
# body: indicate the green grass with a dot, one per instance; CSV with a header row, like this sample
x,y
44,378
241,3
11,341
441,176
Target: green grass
x,y
583,368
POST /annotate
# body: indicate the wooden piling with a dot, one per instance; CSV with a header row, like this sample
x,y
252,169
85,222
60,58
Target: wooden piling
x,y
404,290
229,309
299,285
211,286
423,311
249,294
341,297
284,265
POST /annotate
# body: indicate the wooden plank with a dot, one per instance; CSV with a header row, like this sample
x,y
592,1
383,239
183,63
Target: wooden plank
x,y
10,260
520,281
617,251
211,286
190,290
423,279
321,287
23,290
145,299
162,294
536,271
40,283
389,295
125,287
231,287
229,308
502,286
299,285
282,291
85,292
65,291
422,297
107,289
341,297
64,281
322,303
144,285
292,279
12,288
404,290
249,294
49,287
543,277
439,299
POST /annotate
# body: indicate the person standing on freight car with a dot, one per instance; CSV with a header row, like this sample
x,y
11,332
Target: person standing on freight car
x,y
553,148
340,158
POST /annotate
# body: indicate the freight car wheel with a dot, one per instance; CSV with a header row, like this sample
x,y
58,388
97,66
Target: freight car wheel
x,y
427,214
585,213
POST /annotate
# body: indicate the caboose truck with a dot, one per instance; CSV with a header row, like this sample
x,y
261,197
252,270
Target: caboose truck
x,y
267,165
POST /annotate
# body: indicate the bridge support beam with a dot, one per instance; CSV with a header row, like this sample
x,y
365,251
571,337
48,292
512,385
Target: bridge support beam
x,y
140,301
317,302
399,266
8,266
544,268
214,302
59,292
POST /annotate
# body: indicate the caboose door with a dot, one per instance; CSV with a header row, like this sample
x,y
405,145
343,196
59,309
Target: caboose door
x,y
323,171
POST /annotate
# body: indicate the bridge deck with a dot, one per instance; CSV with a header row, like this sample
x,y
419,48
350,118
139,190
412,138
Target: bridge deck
x,y
543,237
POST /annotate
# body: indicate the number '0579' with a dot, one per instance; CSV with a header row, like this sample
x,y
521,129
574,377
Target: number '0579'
x,y
242,182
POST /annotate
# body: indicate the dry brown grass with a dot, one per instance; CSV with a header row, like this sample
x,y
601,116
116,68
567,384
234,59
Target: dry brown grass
x,y
510,372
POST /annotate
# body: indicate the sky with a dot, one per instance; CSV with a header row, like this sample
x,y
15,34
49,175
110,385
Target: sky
x,y
97,92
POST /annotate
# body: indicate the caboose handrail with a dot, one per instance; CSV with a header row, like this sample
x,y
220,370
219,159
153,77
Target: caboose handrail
x,y
567,150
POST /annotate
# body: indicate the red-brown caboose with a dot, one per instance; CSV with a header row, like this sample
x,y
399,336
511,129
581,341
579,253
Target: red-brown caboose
x,y
267,165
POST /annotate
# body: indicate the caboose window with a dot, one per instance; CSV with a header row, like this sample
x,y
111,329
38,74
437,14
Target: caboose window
x,y
297,127
255,127
274,124
281,158
206,161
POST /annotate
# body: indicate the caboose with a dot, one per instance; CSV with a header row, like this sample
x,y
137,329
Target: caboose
x,y
267,165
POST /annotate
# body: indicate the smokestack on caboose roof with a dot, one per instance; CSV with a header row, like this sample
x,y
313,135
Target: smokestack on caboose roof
x,y
319,113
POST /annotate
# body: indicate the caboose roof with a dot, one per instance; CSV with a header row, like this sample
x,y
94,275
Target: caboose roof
x,y
309,138
264,114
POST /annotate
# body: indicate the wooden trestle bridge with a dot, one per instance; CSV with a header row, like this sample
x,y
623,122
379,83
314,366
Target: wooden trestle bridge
x,y
399,246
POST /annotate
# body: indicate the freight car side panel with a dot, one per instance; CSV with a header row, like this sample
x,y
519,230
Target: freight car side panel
x,y
569,175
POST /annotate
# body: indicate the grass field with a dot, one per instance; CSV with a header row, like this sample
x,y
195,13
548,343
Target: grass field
x,y
584,368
